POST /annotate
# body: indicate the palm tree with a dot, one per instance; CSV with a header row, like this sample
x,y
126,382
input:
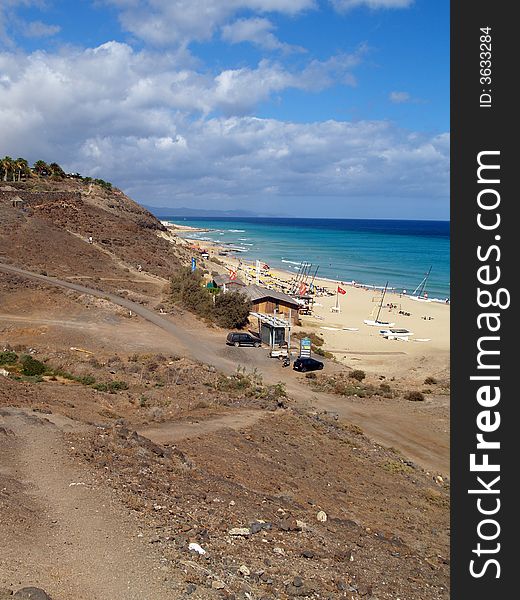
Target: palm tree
x,y
56,170
7,167
22,166
41,168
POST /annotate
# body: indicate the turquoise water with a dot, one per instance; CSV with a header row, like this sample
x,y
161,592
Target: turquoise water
x,y
370,252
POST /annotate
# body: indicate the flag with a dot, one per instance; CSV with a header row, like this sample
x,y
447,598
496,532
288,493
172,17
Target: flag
x,y
341,290
303,288
265,267
232,275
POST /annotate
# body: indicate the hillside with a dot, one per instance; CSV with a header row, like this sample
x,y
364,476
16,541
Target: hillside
x,y
130,438
45,226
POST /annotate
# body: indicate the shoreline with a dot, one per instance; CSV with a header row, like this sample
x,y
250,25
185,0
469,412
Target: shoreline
x,y
230,250
345,334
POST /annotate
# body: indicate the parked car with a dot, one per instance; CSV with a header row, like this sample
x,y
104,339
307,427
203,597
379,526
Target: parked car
x,y
243,339
307,364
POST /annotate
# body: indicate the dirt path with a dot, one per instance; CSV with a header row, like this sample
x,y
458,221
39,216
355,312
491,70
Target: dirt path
x,y
406,431
176,431
75,541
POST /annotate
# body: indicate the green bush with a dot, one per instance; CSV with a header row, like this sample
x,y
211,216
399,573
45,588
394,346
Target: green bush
x,y
101,387
8,357
116,386
414,397
231,310
32,367
86,380
187,288
357,375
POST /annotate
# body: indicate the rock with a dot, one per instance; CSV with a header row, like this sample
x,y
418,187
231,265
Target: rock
x,y
240,531
321,516
194,547
297,581
289,525
259,526
279,551
303,590
365,590
190,588
256,527
308,554
218,585
31,593
243,570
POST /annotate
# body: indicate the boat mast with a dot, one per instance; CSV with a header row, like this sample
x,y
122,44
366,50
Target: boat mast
x,y
381,303
423,284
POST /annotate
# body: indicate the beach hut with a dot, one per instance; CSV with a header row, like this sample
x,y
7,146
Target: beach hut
x,y
272,302
226,284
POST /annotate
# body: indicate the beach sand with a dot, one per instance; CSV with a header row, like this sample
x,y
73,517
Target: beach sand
x,y
351,341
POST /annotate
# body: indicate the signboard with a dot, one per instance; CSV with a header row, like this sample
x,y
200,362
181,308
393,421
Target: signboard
x,y
305,347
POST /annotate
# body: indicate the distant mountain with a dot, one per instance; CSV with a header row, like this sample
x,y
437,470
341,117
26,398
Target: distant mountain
x,y
163,211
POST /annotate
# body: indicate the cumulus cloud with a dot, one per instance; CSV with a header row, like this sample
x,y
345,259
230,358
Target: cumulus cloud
x,y
345,5
178,22
169,135
115,80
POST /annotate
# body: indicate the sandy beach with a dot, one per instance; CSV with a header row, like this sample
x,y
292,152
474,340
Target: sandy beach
x,y
351,341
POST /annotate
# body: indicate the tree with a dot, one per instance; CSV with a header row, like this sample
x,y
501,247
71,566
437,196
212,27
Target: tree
x,y
41,168
187,288
56,170
7,166
231,310
22,168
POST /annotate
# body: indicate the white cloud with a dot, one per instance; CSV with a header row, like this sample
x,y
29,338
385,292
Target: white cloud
x,y
142,120
10,21
258,31
399,97
178,22
345,5
36,29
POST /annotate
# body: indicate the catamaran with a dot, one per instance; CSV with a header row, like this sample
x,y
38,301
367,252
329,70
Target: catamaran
x,y
420,291
377,322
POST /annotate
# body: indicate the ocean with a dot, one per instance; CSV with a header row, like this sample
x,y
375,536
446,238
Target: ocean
x,y
366,251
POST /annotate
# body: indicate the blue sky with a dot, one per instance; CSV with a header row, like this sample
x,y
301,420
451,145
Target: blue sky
x,y
338,107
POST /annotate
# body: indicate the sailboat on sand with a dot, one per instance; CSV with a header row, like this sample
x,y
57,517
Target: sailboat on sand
x,y
377,322
420,292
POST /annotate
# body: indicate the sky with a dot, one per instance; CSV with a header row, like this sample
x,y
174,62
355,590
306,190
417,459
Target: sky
x,y
305,108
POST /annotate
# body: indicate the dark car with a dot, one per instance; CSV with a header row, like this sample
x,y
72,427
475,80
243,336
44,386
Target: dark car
x,y
307,364
243,339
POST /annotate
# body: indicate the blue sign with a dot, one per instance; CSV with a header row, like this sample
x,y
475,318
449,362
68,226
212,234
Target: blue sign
x,y
305,347
193,264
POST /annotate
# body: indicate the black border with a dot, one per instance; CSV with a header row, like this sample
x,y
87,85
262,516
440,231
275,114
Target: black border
x,y
475,129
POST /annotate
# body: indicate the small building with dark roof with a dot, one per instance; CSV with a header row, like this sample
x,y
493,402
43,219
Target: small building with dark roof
x,y
272,302
226,284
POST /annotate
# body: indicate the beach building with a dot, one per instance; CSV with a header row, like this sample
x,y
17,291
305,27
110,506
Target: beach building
x,y
272,302
226,284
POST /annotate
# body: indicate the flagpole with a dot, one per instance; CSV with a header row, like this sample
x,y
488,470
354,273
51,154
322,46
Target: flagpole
x,y
337,297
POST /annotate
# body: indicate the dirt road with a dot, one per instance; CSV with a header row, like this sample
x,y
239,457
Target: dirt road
x,y
407,431
76,541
